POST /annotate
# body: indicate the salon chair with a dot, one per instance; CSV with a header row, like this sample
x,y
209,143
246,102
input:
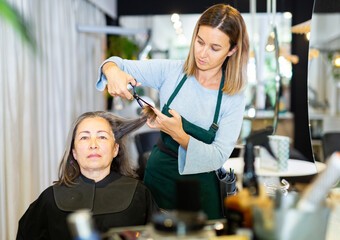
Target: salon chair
x,y
330,143
144,143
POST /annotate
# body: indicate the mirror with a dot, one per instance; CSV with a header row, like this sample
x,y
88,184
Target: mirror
x,y
324,72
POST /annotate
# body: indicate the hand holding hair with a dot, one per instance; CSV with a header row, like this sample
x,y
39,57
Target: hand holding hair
x,y
148,111
170,125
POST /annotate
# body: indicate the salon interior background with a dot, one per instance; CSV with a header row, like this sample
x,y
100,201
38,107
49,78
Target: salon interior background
x,y
37,94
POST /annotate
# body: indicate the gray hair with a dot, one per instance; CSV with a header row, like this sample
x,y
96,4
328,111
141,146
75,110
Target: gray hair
x,y
69,168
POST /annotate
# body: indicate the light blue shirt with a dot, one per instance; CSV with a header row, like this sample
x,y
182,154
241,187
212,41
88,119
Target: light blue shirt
x,y
193,102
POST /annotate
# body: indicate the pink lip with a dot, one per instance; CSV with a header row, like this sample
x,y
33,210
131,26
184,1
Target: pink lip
x,y
93,155
200,61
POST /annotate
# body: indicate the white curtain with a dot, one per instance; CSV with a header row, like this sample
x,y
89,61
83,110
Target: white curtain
x,y
41,93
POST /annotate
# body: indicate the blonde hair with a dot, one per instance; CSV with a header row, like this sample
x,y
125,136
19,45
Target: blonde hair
x,y
228,20
69,168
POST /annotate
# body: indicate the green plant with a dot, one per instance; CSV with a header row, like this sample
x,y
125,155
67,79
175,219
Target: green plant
x,y
121,47
335,68
11,15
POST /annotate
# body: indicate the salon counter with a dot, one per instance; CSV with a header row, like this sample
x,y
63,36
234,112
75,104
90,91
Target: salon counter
x,y
295,168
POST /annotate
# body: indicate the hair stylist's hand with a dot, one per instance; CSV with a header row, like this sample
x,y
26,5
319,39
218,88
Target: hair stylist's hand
x,y
170,125
117,81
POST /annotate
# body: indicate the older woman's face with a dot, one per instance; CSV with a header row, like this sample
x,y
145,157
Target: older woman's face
x,y
211,48
94,146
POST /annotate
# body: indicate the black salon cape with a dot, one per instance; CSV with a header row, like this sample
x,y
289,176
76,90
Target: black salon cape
x,y
116,201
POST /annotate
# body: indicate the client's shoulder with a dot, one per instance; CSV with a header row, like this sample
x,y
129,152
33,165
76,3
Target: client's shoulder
x,y
45,198
136,182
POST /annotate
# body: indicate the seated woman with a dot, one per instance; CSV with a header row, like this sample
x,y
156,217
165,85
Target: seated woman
x,y
94,174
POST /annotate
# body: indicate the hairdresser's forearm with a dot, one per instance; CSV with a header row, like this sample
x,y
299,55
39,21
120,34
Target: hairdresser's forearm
x,y
109,68
182,138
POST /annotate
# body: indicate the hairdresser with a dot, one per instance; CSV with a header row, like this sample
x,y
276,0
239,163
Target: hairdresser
x,y
202,105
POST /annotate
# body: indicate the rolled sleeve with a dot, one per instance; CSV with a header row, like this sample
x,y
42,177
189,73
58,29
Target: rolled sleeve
x,y
102,80
182,155
194,161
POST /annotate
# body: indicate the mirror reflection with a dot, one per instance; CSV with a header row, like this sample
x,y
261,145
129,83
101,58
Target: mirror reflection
x,y
324,75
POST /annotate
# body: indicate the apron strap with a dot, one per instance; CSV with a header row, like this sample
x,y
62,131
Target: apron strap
x,y
164,148
179,86
214,125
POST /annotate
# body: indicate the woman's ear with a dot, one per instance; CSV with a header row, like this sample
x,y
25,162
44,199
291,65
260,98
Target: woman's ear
x,y
116,150
74,154
232,51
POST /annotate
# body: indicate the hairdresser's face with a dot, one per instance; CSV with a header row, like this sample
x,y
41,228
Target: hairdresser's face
x,y
94,146
211,48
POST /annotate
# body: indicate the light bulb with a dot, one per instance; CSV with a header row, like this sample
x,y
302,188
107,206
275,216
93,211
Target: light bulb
x,y
174,17
337,61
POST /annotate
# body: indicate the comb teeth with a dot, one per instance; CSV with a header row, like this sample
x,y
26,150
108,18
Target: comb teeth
x,y
149,113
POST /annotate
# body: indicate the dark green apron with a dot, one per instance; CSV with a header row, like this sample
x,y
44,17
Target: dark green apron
x,y
162,168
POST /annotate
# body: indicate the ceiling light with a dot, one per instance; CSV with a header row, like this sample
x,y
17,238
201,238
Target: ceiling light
x,y
174,17
287,15
270,47
270,43
177,25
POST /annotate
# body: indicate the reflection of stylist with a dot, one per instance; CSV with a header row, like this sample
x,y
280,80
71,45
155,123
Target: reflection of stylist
x,y
202,105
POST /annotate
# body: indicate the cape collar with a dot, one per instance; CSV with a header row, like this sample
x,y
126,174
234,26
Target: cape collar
x,y
112,194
